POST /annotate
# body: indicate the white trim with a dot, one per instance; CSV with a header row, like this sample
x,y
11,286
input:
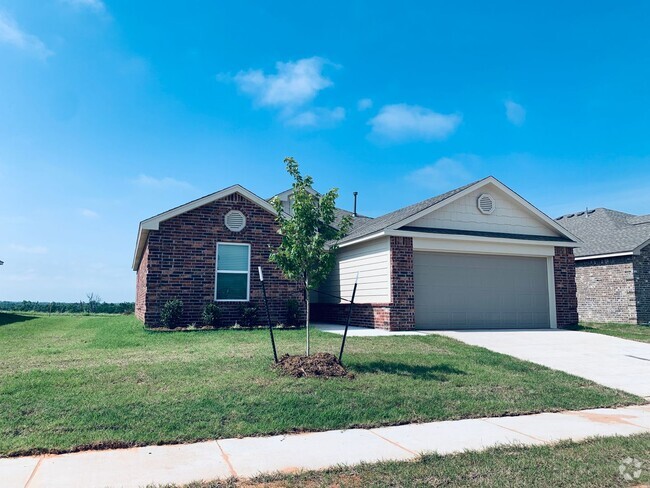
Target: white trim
x,y
552,305
460,237
486,181
368,237
602,256
247,273
482,247
153,223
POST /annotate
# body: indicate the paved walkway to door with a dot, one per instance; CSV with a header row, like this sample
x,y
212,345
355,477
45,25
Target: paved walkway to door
x,y
610,361
243,458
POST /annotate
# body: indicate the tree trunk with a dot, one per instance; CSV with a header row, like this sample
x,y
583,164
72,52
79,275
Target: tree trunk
x,y
307,315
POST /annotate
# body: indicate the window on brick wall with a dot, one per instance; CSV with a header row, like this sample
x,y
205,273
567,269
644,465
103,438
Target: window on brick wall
x,y
233,266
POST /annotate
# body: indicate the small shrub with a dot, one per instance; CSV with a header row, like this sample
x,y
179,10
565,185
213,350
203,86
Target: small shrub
x,y
248,316
293,313
171,313
211,314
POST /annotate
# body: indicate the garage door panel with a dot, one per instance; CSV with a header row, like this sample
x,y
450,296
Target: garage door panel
x,y
480,291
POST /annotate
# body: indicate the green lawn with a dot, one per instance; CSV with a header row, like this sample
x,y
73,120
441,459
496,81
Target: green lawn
x,y
624,331
68,382
591,464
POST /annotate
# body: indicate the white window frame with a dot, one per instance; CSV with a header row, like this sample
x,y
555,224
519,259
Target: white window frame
x,y
247,272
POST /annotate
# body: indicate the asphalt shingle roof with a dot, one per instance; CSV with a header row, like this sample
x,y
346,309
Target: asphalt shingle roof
x,y
370,226
605,231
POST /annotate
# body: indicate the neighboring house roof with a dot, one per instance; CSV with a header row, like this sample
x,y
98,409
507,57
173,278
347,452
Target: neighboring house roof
x,y
606,232
1,263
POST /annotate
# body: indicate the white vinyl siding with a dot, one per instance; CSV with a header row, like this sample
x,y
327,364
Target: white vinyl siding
x,y
232,282
372,261
508,216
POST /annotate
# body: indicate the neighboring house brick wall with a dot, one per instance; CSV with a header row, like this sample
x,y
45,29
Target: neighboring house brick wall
x,y
566,301
606,290
182,262
642,285
399,314
141,286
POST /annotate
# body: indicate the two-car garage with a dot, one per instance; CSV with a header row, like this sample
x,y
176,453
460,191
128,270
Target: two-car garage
x,y
472,291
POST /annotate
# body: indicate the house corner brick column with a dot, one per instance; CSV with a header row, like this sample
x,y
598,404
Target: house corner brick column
x,y
566,300
402,308
141,286
642,285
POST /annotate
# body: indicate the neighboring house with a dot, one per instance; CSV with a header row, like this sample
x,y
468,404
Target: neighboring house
x,y
479,256
612,265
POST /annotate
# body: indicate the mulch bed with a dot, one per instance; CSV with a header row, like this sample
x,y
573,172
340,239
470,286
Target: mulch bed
x,y
319,365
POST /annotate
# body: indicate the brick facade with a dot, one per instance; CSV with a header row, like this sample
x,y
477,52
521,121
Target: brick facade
x,y
180,262
615,289
606,290
141,286
399,314
566,301
642,285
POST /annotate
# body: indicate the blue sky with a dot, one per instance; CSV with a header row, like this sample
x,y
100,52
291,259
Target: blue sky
x,y
112,111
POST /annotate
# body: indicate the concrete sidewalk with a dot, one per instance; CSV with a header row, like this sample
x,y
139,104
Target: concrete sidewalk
x,y
288,453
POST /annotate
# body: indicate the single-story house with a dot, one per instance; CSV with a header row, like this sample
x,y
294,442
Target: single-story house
x,y
612,265
479,256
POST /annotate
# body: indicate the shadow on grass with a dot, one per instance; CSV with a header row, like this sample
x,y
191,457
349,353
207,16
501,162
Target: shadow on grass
x,y
7,318
436,373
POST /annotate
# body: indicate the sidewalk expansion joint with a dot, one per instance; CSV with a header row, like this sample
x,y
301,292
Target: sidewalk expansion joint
x,y
31,476
514,430
394,443
226,459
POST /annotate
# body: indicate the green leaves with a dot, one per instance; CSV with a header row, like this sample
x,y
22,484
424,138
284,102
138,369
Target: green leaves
x,y
310,233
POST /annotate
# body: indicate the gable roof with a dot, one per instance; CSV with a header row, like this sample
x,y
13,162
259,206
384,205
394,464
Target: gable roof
x,y
606,232
153,223
404,216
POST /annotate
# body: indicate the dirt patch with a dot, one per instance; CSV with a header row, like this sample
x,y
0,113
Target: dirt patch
x,y
319,365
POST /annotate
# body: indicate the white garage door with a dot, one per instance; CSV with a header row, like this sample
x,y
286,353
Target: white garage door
x,y
475,291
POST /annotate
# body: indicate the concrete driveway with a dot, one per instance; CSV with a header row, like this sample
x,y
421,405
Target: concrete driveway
x,y
610,361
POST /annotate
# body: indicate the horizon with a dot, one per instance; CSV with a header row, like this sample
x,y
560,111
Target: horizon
x,y
109,119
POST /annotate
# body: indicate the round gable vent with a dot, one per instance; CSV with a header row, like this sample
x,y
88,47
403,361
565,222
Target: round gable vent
x,y
485,203
235,220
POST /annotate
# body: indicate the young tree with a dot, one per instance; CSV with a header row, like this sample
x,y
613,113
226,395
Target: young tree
x,y
309,235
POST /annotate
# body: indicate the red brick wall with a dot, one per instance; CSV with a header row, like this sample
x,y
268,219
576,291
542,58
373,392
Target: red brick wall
x,y
182,260
141,286
399,314
566,300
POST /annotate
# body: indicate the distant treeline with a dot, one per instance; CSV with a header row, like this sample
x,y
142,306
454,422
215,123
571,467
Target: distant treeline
x,y
61,307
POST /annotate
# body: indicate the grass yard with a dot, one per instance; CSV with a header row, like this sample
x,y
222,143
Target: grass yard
x,y
70,382
591,464
624,331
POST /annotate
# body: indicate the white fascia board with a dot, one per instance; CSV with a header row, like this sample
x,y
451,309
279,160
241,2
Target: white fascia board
x,y
603,256
490,180
363,239
460,237
153,223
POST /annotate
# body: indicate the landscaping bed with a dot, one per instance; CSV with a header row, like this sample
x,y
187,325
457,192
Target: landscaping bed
x,y
68,381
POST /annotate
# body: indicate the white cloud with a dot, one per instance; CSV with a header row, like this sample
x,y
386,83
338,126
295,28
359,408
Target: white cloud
x,y
28,249
89,214
293,84
12,34
161,183
444,174
97,5
515,113
402,122
317,117
364,104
